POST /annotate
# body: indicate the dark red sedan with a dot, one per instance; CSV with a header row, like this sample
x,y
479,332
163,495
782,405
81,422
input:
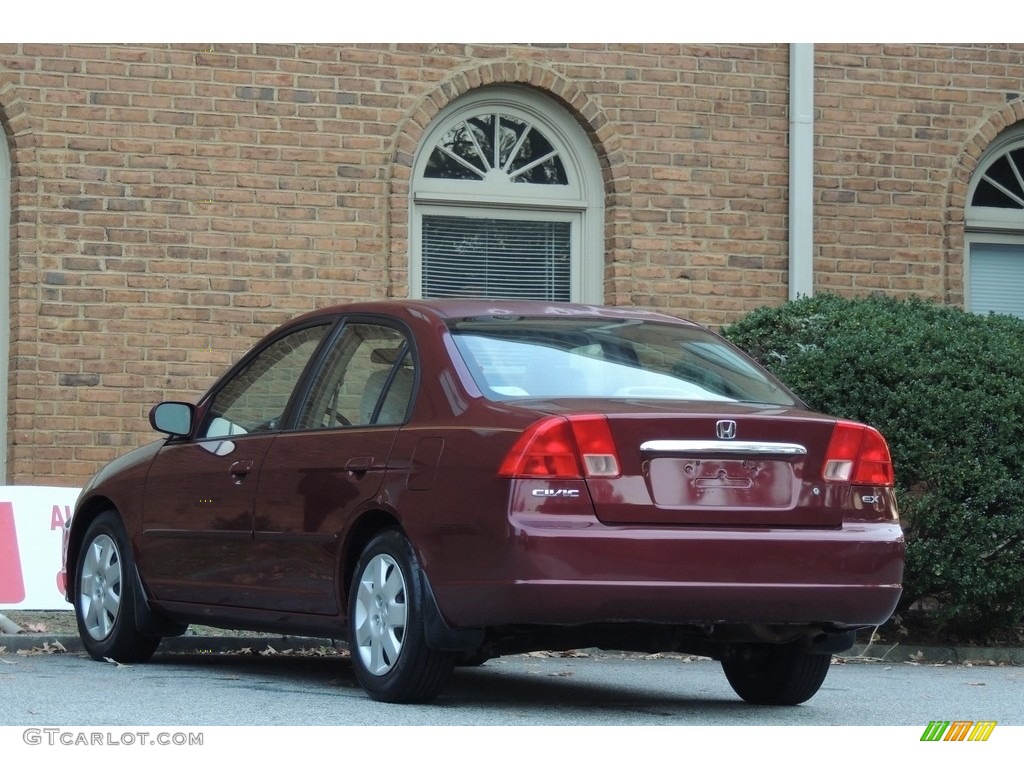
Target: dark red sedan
x,y
441,482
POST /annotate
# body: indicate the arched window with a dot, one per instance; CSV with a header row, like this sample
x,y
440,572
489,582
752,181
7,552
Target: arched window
x,y
5,295
995,229
507,202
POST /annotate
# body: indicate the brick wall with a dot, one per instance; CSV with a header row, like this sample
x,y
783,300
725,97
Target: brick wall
x,y
899,130
173,203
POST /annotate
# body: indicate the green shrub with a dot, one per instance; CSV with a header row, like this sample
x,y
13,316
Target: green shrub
x,y
946,388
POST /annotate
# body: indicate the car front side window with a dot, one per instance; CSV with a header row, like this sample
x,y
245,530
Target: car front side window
x,y
255,399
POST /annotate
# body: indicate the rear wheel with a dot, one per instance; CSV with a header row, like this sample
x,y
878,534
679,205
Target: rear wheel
x,y
105,595
777,675
386,605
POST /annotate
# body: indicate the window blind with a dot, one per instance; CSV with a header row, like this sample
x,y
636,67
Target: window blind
x,y
997,278
495,258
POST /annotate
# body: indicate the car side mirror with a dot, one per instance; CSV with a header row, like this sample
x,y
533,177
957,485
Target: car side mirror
x,y
173,418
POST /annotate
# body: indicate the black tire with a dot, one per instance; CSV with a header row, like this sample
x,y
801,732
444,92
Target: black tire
x,y
105,595
390,656
776,675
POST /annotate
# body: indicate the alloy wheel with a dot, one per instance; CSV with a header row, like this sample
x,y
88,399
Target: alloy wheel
x,y
381,614
100,587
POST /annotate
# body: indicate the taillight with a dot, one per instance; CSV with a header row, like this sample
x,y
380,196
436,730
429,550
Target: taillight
x,y
563,447
858,454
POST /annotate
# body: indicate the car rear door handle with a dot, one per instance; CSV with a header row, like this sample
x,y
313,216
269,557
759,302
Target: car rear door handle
x,y
359,465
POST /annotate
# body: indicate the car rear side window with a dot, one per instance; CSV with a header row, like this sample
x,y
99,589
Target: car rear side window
x,y
513,357
367,378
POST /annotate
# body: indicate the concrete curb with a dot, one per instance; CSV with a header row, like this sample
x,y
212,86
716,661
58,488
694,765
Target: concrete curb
x,y
43,643
887,654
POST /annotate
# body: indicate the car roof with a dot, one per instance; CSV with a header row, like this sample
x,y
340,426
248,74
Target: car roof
x,y
449,309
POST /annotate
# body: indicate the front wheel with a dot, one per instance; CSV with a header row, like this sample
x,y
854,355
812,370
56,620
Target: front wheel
x,y
776,675
390,656
105,595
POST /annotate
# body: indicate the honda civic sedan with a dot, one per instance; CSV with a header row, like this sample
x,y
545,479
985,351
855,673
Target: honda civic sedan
x,y
442,482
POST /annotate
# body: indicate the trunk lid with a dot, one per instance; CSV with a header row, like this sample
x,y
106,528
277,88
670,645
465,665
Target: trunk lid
x,y
714,464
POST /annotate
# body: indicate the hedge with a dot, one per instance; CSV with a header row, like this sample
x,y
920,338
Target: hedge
x,y
946,388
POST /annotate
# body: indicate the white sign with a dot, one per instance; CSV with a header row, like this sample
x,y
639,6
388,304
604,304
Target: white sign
x,y
31,530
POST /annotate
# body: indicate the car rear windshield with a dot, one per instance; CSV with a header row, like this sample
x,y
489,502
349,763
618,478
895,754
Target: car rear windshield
x,y
512,357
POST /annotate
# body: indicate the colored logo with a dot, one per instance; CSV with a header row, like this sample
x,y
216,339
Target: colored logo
x,y
958,730
12,585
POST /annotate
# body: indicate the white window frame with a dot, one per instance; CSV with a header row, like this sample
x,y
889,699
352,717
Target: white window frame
x,y
580,202
988,225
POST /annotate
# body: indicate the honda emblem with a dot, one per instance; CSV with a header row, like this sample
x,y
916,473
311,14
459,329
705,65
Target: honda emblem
x,y
725,429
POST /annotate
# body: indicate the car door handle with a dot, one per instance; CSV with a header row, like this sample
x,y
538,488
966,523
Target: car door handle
x,y
359,465
239,470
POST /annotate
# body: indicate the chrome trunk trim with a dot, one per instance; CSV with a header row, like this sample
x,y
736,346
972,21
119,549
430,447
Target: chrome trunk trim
x,y
730,448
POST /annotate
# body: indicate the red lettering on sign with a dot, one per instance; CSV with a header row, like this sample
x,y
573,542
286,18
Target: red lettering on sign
x,y
56,518
12,584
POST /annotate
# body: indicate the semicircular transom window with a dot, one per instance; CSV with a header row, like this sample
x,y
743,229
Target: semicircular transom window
x,y
1002,183
498,147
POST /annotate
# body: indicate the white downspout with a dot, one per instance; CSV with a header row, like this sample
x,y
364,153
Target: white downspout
x,y
801,170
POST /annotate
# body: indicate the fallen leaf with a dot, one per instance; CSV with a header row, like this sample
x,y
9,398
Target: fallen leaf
x,y
48,648
321,650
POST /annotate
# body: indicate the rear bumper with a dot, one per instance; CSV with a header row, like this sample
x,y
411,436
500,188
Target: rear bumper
x,y
578,572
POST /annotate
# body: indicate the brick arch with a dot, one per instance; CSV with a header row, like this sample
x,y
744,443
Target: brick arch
x,y
18,134
605,140
15,118
17,129
956,197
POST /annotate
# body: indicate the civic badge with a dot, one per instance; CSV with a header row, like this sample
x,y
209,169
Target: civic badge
x,y
725,429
